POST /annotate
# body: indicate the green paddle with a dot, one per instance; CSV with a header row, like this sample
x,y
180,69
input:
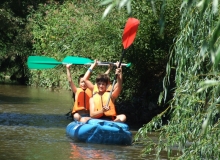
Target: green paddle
x,y
42,62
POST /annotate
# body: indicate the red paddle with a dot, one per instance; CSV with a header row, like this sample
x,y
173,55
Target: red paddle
x,y
130,32
128,37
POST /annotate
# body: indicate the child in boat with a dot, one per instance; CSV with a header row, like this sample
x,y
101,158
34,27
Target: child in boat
x,y
98,102
82,95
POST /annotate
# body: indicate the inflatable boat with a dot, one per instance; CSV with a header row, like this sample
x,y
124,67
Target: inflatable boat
x,y
100,132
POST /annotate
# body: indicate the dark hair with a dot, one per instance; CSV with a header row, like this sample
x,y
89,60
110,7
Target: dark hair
x,y
81,76
102,78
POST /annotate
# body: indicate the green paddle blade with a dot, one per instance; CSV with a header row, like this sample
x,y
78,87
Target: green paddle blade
x,y
41,62
128,65
76,60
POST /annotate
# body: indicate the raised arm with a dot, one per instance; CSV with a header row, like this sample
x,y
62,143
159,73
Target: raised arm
x,y
89,84
72,85
88,74
89,71
117,90
110,66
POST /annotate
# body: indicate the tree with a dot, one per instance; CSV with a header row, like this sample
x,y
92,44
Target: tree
x,y
15,39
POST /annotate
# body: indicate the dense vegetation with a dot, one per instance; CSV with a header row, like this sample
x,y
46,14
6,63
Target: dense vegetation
x,y
193,127
175,58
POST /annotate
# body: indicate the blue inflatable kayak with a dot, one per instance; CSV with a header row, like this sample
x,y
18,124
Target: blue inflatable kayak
x,y
100,131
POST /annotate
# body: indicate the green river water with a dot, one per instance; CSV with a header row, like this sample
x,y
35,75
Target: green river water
x,y
33,123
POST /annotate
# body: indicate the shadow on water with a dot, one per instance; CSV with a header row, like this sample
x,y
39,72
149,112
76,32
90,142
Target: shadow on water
x,y
41,121
15,99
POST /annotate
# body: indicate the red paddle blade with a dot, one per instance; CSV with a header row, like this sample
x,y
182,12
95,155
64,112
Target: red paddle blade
x,y
130,31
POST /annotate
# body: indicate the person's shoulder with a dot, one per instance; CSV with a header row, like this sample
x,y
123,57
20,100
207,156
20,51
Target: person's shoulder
x,y
78,89
90,90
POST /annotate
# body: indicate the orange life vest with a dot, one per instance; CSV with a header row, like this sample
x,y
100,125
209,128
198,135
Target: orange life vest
x,y
82,99
95,89
100,101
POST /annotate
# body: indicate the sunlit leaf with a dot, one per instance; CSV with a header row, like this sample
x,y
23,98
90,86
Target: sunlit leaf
x,y
217,57
215,35
107,10
187,3
200,4
215,6
211,82
203,5
203,49
129,7
122,3
160,98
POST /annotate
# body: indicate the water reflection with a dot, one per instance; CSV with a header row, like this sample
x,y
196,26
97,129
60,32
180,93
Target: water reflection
x,y
82,152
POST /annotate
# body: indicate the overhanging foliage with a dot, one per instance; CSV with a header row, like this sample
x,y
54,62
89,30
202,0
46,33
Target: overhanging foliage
x,y
194,123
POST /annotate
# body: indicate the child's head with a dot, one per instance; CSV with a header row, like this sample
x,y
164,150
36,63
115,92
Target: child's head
x,y
81,82
102,78
102,81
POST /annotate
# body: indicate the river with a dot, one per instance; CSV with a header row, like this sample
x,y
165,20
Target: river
x,y
33,123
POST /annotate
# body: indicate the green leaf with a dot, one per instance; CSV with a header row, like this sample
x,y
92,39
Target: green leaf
x,y
215,35
217,57
129,7
107,10
122,3
215,6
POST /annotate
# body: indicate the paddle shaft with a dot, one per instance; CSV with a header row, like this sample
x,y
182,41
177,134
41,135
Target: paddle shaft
x,y
113,84
101,63
107,63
